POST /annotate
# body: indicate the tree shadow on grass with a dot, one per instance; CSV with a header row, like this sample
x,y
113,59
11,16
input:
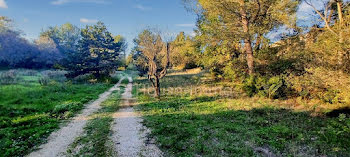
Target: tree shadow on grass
x,y
337,112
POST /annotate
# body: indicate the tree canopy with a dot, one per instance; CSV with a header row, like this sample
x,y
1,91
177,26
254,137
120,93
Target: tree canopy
x,y
97,54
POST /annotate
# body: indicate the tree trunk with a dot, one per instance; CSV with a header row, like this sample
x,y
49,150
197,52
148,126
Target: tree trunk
x,y
247,40
157,88
341,33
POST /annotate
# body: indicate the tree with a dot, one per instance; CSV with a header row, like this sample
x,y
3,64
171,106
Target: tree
x,y
245,21
185,52
98,53
49,54
138,60
121,41
16,51
156,54
66,39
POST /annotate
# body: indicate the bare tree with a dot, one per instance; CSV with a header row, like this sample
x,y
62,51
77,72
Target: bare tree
x,y
156,52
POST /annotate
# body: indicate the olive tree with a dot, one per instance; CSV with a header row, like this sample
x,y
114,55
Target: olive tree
x,y
156,55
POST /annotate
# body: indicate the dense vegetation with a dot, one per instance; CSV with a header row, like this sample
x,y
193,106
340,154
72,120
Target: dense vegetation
x,y
233,41
290,90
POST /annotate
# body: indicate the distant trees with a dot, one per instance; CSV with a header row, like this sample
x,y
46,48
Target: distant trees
x,y
66,38
92,50
137,61
97,53
17,52
152,53
49,53
185,52
53,46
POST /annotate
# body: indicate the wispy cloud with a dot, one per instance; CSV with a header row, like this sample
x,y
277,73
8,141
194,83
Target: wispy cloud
x,y
85,20
186,25
142,7
3,4
60,2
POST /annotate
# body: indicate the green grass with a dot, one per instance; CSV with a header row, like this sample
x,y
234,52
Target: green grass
x,y
95,142
29,112
215,126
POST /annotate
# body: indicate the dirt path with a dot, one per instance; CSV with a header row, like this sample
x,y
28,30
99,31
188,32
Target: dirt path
x,y
59,141
129,134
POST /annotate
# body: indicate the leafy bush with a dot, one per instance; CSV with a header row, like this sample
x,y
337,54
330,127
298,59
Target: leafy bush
x,y
9,77
274,87
321,83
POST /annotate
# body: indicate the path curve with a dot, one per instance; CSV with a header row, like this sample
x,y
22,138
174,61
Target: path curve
x,y
130,136
59,140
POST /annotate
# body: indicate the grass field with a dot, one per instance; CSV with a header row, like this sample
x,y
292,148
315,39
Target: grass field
x,y
30,111
187,125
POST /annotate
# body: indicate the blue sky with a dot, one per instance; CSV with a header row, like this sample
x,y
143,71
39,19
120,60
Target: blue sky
x,y
124,17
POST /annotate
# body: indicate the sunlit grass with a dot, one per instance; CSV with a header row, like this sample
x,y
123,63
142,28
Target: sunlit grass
x,y
187,125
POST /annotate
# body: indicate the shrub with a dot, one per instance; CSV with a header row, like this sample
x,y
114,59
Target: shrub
x,y
9,77
249,86
323,84
274,87
44,81
86,78
59,109
58,76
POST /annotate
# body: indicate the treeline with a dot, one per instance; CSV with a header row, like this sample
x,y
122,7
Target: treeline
x,y
233,42
92,50
18,52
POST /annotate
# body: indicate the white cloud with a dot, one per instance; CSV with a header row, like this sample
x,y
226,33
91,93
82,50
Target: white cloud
x,y
60,2
186,25
85,20
3,4
143,8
